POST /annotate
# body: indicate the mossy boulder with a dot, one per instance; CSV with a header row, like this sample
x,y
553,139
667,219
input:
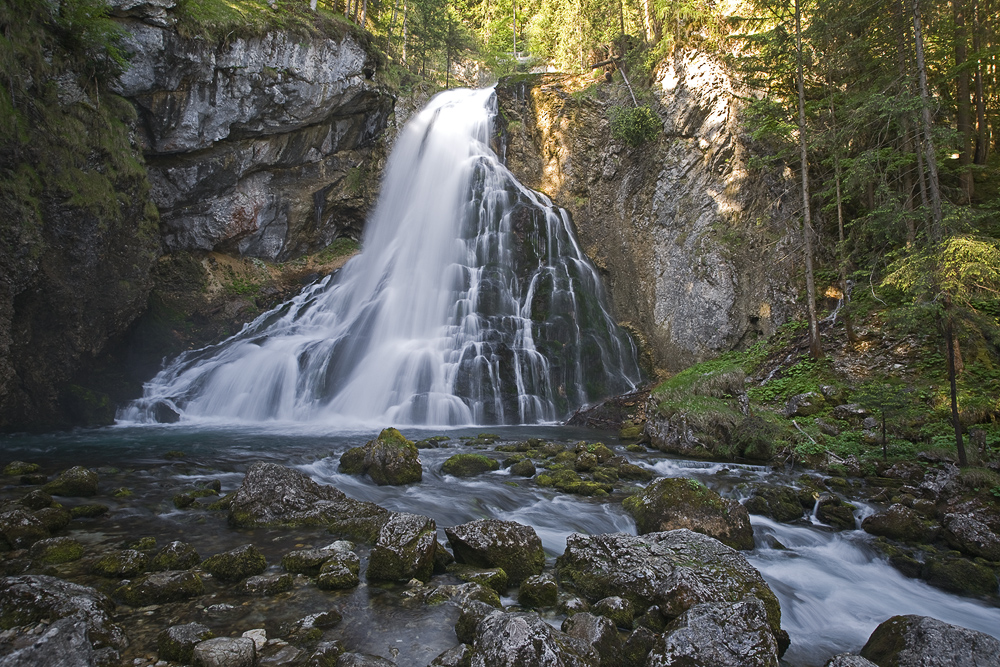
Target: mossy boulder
x,y
523,468
597,632
898,522
389,459
780,503
494,578
177,642
569,481
835,512
266,585
75,482
175,556
960,575
469,465
618,609
404,549
704,636
123,564
342,570
307,561
37,499
88,511
56,550
673,503
15,468
21,529
53,518
236,564
971,536
915,641
161,587
494,543
539,590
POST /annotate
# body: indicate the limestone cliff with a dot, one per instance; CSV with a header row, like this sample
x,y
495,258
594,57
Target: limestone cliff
x,y
696,248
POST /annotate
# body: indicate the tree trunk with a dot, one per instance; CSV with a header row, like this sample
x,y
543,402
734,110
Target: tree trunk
x,y
404,32
933,182
392,24
949,333
514,5
982,129
963,117
364,12
815,348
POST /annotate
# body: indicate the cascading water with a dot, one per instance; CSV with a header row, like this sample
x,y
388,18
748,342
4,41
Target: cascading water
x,y
471,303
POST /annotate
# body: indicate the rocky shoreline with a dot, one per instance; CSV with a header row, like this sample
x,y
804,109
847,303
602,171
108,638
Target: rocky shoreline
x,y
675,594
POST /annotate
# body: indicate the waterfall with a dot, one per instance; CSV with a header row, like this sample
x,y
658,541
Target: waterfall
x,y
470,303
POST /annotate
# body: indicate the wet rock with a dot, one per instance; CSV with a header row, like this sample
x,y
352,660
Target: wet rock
x,y
88,511
495,543
225,652
780,503
273,495
15,468
598,632
77,481
404,549
835,512
442,559
804,405
280,653
494,578
636,648
325,654
56,550
672,503
21,529
523,468
236,564
916,641
363,660
511,640
36,500
389,459
259,637
849,660
971,536
898,522
718,635
341,570
53,518
472,612
618,610
34,479
160,587
459,656
125,563
78,630
175,556
540,590
265,585
177,642
673,571
307,561
469,465
959,575
569,481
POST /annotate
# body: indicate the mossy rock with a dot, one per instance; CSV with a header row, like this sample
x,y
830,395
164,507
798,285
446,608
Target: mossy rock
x,y
631,431
56,550
537,591
20,468
584,462
75,482
266,585
175,556
89,511
53,518
177,642
495,578
960,575
618,610
306,561
605,475
21,529
523,468
898,522
469,465
340,572
634,472
123,564
222,503
188,498
236,564
836,512
34,479
780,503
161,587
37,499
352,462
122,492
390,459
147,543
433,442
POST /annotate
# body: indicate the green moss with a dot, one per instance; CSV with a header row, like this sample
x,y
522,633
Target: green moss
x,y
469,465
494,578
57,550
122,492
20,468
236,564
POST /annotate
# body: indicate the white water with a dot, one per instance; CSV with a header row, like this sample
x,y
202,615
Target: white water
x,y
471,303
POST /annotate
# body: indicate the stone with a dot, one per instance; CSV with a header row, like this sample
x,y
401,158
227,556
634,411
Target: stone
x,y
852,412
898,522
849,660
160,587
77,629
341,570
266,585
274,495
307,561
53,518
717,635
917,641
494,578
404,549
780,503
672,503
122,564
175,556
389,459
971,536
21,529
959,575
225,652
236,564
472,612
495,543
523,468
538,590
37,499
17,468
77,481
804,405
616,609
459,656
636,648
177,642
672,571
325,654
56,550
363,660
469,465
259,637
835,512
88,511
513,640
597,631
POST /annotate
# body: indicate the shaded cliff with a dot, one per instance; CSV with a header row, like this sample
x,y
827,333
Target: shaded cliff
x,y
696,247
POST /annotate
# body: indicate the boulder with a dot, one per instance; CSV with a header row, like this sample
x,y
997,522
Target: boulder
x,y
78,630
160,587
36,500
459,656
898,522
389,459
971,536
672,571
523,468
494,543
177,642
307,561
265,585
56,550
53,518
672,503
469,465
539,590
598,632
273,495
404,549
636,648
717,635
780,503
236,564
21,529
175,556
522,639
124,563
17,468
803,405
849,660
363,660
341,570
918,641
77,481
959,575
616,609
491,577
225,652
835,512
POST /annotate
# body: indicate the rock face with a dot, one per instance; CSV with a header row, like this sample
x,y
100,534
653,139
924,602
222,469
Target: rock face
x,y
273,495
914,641
79,630
494,543
672,503
257,146
718,635
693,245
404,549
522,639
672,571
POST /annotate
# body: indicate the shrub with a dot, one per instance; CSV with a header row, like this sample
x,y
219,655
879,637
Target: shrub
x,y
634,125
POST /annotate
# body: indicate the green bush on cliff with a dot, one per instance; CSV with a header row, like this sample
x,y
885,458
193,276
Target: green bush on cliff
x,y
634,125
